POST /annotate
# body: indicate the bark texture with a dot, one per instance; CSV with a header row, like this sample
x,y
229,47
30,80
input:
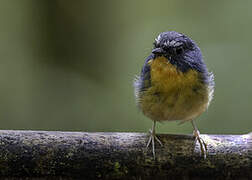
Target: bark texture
x,y
81,155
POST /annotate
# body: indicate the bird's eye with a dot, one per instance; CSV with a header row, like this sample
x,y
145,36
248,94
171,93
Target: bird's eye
x,y
179,50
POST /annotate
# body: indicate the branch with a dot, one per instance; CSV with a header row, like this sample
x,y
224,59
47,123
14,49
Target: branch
x,y
78,155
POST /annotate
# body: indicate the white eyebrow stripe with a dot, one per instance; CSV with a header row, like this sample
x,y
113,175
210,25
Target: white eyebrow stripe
x,y
158,39
178,44
172,43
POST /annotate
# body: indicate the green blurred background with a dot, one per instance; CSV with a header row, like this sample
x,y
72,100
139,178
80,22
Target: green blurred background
x,y
69,65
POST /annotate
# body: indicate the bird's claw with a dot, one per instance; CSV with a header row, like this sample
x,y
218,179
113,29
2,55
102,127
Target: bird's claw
x,y
152,139
203,146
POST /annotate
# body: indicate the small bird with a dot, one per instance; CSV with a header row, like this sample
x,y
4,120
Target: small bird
x,y
174,84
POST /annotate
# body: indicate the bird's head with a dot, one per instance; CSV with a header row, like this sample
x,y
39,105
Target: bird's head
x,y
179,50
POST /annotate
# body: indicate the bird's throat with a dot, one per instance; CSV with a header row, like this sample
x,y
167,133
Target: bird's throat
x,y
167,76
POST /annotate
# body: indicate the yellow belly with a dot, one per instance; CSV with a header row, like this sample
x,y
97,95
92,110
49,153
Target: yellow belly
x,y
173,95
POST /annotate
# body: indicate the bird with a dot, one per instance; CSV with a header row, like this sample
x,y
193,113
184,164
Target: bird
x,y
174,84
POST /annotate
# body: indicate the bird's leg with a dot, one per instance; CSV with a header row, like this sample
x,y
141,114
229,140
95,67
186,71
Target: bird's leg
x,y
152,138
203,146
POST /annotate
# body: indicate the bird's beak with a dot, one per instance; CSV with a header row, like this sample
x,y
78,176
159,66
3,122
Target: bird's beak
x,y
158,51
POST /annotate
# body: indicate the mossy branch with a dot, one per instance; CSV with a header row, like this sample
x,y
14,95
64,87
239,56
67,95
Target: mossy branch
x,y
80,155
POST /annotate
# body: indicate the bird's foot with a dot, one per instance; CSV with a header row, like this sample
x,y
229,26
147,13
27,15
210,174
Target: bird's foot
x,y
203,146
152,139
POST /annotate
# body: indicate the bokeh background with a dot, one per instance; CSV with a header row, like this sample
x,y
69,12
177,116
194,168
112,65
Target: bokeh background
x,y
69,65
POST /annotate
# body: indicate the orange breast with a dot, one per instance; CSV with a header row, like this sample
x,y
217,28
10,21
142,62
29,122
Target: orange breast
x,y
173,95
